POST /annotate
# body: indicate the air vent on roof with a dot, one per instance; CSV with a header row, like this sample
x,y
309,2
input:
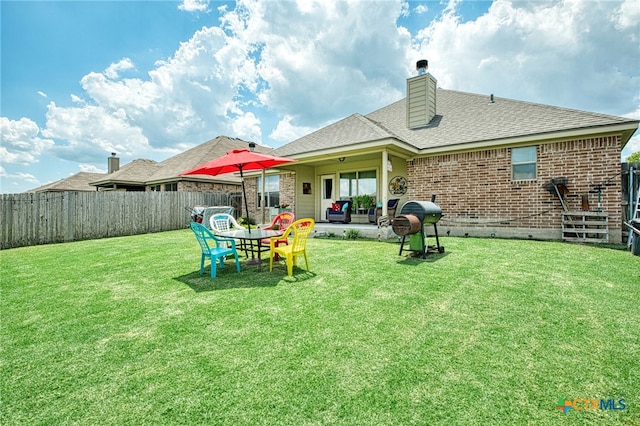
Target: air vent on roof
x,y
422,66
421,97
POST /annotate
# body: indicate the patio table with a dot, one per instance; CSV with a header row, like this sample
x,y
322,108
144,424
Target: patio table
x,y
252,240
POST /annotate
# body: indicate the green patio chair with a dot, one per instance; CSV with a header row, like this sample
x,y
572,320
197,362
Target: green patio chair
x,y
214,248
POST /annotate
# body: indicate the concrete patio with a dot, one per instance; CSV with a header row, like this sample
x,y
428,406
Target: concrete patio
x,y
365,230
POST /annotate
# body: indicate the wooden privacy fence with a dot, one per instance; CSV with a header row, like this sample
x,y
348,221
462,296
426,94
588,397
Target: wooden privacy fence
x,y
43,218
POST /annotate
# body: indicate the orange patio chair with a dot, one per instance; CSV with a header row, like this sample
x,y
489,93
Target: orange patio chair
x,y
281,221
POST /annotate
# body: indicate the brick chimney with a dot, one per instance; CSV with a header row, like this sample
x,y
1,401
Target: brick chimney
x,y
421,97
113,163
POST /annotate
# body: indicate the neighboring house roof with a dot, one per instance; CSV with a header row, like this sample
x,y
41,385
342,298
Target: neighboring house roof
x,y
133,173
78,182
463,120
169,169
143,172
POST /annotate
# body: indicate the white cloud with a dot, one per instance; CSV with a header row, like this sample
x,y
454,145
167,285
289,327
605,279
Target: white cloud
x,y
285,131
77,99
194,5
627,17
187,98
634,143
21,143
632,146
90,131
90,168
321,60
421,8
41,93
114,69
245,125
304,63
568,53
24,177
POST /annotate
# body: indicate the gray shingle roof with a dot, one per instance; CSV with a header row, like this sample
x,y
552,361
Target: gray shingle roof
x,y
146,172
135,172
461,118
78,182
170,168
465,118
348,131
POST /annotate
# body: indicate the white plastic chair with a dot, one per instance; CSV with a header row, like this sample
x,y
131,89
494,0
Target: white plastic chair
x,y
221,222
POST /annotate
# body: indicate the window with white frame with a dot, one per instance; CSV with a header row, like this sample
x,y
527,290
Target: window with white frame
x,y
523,163
358,183
271,191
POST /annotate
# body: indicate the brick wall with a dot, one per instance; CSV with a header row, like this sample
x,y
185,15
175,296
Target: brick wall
x,y
475,189
287,193
190,186
288,189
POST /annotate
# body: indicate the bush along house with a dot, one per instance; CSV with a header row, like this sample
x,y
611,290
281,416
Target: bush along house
x,y
497,167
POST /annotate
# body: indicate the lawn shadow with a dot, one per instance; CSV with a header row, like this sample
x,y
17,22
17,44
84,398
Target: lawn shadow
x,y
249,277
230,279
299,275
415,258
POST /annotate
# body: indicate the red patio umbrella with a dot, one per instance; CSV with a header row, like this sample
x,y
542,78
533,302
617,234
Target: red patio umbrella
x,y
238,160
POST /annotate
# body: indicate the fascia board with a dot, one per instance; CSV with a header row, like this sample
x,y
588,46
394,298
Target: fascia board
x,y
396,145
535,139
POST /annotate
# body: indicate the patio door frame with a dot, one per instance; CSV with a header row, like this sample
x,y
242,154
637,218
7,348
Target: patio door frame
x,y
326,199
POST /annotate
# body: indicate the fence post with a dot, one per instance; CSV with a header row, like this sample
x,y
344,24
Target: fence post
x,y
68,203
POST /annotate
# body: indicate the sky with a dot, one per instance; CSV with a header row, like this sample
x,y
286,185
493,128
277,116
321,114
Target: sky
x,y
150,79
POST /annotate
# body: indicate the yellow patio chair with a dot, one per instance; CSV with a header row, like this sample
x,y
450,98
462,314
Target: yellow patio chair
x,y
300,229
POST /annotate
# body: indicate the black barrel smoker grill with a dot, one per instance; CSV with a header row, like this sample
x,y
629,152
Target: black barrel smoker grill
x,y
413,217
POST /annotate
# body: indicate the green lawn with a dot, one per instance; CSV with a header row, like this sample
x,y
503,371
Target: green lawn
x,y
124,331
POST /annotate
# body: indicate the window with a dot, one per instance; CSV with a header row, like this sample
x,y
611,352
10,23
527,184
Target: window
x,y
358,183
171,187
523,163
155,188
271,191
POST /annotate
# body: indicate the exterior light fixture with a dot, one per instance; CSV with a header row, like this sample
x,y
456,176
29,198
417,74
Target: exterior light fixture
x,y
252,146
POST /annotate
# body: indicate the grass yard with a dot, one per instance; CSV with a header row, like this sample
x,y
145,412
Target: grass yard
x,y
492,332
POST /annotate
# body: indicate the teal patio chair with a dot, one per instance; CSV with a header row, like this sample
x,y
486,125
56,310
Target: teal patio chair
x,y
214,248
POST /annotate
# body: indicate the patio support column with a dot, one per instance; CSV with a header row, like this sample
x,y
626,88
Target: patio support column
x,y
263,199
383,183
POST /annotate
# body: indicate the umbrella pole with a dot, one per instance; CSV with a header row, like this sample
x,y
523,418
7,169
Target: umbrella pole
x,y
244,193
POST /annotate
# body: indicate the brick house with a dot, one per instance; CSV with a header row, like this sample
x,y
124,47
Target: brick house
x,y
485,158
149,175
